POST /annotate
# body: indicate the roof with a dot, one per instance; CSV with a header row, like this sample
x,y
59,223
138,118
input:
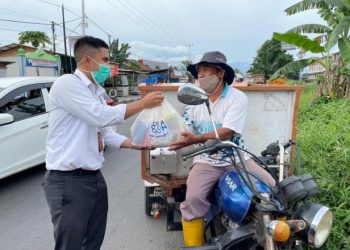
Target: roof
x,y
9,46
6,62
10,81
40,54
15,45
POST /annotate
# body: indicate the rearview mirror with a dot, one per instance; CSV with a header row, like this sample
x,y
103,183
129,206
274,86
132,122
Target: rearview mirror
x,y
6,119
191,95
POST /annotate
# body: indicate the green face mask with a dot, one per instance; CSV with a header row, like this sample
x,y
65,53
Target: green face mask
x,y
100,75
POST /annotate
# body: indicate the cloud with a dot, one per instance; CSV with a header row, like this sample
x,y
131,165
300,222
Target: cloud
x,y
160,29
140,49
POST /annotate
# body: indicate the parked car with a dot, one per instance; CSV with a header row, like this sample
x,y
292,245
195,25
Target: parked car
x,y
24,106
23,122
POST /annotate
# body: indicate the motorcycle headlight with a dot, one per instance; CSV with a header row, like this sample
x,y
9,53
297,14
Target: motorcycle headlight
x,y
319,221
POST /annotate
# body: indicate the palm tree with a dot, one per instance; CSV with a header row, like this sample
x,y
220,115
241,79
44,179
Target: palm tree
x,y
336,13
34,37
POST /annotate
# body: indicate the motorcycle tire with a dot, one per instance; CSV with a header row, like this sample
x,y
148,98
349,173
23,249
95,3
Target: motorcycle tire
x,y
148,204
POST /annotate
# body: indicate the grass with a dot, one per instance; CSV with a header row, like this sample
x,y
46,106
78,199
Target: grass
x,y
323,136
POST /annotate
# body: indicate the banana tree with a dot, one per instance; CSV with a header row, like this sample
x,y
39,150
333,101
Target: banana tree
x,y
118,52
336,13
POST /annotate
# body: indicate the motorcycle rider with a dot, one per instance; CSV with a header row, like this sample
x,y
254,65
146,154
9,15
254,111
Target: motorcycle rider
x,y
229,107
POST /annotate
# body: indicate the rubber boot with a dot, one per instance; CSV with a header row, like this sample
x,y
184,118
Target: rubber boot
x,y
193,232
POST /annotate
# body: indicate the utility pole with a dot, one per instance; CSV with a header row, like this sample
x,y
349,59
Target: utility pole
x,y
53,36
190,45
83,18
64,38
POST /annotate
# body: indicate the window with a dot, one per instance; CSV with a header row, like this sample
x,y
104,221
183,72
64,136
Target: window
x,y
24,105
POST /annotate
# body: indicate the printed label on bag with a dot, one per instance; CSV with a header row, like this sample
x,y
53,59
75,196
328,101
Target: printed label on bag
x,y
158,129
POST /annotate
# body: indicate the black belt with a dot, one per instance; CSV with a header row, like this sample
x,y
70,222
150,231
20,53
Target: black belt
x,y
78,171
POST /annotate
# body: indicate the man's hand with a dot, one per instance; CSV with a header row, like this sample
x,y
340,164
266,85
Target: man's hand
x,y
128,143
188,139
152,99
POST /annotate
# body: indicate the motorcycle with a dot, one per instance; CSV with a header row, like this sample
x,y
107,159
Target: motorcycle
x,y
245,212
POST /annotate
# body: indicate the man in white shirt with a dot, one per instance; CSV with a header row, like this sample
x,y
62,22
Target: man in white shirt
x,y
79,121
229,107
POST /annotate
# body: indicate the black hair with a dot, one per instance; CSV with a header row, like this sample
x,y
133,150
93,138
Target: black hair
x,y
85,43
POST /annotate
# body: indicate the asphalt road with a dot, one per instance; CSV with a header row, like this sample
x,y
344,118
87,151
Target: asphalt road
x,y
25,221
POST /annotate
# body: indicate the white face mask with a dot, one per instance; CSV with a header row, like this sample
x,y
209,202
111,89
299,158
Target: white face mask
x,y
209,83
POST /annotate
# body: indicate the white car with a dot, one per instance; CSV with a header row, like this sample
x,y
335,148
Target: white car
x,y
23,122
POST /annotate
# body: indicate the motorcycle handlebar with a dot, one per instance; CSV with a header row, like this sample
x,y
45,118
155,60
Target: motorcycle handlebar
x,y
208,146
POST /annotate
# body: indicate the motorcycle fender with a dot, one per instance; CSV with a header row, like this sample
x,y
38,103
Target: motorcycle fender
x,y
239,238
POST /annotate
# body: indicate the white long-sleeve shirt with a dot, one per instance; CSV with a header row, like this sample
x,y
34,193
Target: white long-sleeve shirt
x,y
77,112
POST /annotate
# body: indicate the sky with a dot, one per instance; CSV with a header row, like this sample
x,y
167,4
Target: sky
x,y
160,30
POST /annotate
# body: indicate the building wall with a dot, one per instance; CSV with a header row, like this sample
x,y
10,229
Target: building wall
x,y
2,70
14,51
316,68
12,69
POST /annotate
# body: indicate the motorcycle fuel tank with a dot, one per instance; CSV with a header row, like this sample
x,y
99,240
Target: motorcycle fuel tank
x,y
234,197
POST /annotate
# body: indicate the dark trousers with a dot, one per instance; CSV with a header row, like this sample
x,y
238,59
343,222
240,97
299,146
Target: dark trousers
x,y
78,206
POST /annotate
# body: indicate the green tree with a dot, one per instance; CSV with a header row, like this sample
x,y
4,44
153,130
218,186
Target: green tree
x,y
236,70
118,52
34,37
183,68
336,13
270,58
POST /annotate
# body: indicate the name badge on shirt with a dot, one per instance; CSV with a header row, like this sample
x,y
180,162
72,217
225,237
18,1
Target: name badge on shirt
x,y
100,141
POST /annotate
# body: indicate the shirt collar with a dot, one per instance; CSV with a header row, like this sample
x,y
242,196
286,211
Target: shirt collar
x,y
96,87
226,89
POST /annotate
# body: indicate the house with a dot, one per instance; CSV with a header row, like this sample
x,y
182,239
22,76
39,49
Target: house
x,y
317,69
9,62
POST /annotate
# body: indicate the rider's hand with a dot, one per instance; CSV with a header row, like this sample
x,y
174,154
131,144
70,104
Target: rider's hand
x,y
128,143
152,99
187,139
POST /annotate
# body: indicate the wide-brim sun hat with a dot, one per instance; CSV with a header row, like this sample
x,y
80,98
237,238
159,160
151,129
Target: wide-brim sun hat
x,y
216,58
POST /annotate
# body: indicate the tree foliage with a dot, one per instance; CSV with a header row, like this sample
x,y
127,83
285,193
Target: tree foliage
x,y
118,52
34,37
270,58
336,79
184,65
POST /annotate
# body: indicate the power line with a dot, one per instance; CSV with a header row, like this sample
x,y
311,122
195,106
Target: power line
x,y
137,14
70,20
74,13
23,13
72,31
10,29
109,34
138,24
149,21
144,50
15,21
99,27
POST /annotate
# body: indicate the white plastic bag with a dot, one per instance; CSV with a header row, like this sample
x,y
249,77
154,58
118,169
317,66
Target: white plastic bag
x,y
157,127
